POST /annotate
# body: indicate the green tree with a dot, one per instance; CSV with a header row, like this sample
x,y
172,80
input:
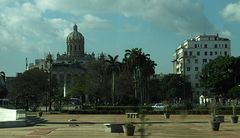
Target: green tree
x,y
141,67
175,86
234,93
133,60
125,89
31,87
113,67
147,70
3,89
155,91
94,82
221,74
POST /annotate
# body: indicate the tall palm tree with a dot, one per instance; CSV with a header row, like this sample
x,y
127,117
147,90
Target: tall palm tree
x,y
142,67
148,69
133,61
113,67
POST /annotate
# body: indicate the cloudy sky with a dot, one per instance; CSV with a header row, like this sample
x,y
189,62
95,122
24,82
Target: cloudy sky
x,y
32,28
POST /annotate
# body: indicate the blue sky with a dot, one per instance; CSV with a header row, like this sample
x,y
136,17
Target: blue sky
x,y
32,28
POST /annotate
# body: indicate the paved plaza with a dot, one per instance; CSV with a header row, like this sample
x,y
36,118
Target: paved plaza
x,y
91,126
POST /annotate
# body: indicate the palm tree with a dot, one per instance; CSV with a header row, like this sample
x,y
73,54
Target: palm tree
x,y
147,70
142,67
113,67
133,61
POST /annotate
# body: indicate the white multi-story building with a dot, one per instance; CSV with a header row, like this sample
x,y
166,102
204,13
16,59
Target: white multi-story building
x,y
191,56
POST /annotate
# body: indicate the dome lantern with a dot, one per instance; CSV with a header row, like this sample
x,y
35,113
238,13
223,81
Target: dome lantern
x,y
75,28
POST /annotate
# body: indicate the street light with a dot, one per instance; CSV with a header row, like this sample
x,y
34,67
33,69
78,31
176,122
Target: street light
x,y
49,62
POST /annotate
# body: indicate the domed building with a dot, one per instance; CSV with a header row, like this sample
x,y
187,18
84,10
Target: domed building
x,y
75,44
68,65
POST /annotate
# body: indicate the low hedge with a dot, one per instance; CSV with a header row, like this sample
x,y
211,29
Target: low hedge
x,y
149,110
124,108
95,112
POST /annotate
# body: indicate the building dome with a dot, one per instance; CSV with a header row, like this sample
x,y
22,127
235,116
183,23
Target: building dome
x,y
75,44
75,35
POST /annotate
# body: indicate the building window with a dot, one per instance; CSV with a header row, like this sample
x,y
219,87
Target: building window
x,y
211,53
188,61
196,60
188,68
196,76
195,45
190,53
198,53
205,45
196,68
204,60
215,46
205,53
185,53
226,46
216,52
225,53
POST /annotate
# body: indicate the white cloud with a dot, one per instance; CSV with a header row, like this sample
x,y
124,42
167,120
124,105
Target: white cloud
x,y
91,22
226,33
25,25
24,28
181,16
232,12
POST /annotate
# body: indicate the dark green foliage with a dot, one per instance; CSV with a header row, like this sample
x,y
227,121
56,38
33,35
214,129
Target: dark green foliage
x,y
234,92
113,67
31,88
175,86
141,67
3,89
221,74
3,92
156,93
103,73
129,100
95,82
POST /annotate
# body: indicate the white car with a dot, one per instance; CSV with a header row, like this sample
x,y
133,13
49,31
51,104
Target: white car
x,y
159,107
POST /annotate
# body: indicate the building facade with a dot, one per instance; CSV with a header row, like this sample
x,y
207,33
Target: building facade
x,y
191,56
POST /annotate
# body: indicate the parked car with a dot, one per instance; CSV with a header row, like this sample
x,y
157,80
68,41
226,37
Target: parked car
x,y
159,107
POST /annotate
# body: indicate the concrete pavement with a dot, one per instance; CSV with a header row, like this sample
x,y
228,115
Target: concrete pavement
x,y
91,126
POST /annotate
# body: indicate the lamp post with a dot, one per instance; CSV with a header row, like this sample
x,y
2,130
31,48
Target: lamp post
x,y
49,62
